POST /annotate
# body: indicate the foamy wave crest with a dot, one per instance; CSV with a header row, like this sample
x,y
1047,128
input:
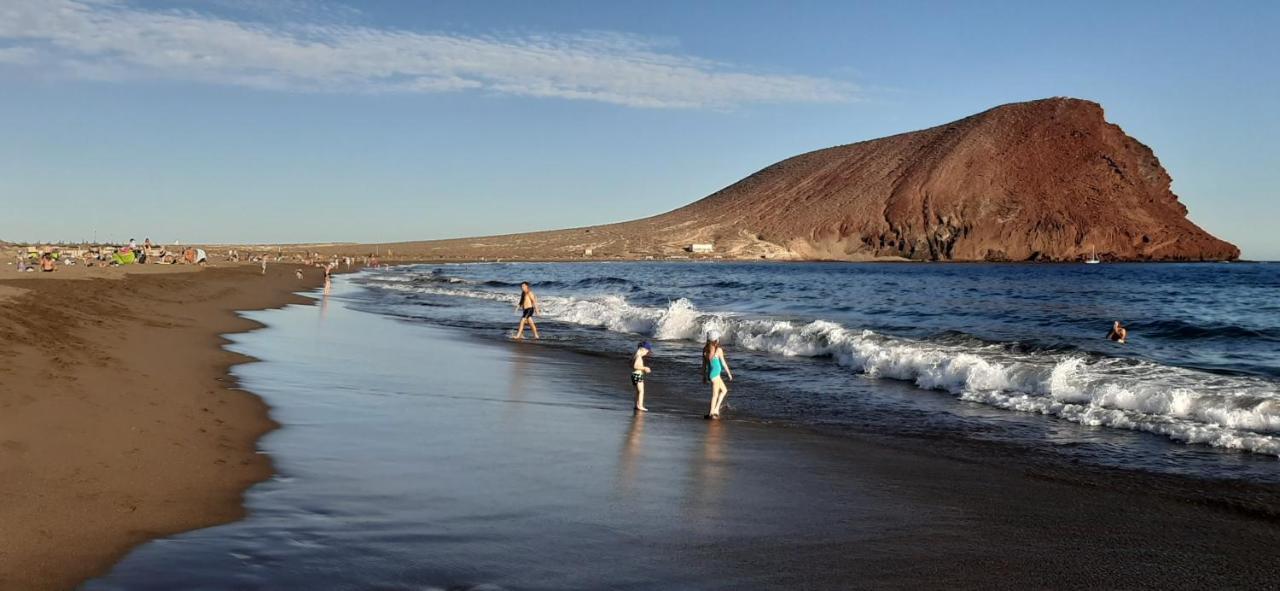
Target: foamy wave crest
x,y
679,320
1184,405
444,291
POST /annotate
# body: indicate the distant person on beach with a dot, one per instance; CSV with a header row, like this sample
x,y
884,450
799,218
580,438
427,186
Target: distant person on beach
x,y
195,256
1118,333
638,371
715,368
47,264
528,306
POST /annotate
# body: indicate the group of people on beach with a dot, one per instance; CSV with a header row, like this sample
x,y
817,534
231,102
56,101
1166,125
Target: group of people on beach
x,y
715,366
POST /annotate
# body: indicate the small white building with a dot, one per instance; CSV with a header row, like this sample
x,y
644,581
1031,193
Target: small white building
x,y
588,252
701,248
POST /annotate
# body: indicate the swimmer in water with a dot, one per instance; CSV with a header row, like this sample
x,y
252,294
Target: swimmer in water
x,y
1118,333
638,371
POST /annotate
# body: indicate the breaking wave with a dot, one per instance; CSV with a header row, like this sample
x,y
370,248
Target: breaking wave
x,y
1233,412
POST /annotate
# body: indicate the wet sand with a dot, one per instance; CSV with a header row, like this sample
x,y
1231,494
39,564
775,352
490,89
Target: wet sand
x,y
118,421
420,457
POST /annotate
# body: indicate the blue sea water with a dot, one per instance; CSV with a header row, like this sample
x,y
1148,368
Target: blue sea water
x,y
1014,353
421,450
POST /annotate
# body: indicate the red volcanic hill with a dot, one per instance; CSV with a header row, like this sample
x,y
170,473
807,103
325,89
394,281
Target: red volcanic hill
x,y
1042,180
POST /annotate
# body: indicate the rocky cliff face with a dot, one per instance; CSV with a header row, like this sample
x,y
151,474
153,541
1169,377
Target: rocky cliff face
x,y
1041,180
1046,180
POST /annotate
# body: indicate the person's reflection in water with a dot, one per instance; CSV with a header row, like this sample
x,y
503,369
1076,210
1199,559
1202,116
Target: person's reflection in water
x,y
708,474
631,452
324,302
521,362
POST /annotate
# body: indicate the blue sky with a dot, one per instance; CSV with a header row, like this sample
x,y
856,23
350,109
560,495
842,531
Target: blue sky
x,y
310,120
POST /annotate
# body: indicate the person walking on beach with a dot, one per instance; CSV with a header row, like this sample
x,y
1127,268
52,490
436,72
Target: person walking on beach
x,y
528,306
714,369
328,275
1118,333
638,371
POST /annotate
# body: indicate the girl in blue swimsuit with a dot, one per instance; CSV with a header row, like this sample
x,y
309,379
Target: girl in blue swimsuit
x,y
715,368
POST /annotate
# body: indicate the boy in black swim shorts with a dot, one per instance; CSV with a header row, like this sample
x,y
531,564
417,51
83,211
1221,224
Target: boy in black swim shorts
x,y
638,371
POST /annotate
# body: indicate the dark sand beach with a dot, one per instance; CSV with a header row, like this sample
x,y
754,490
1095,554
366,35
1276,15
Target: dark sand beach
x,y
262,265
419,457
118,420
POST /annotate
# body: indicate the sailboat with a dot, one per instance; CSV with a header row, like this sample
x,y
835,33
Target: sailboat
x,y
1093,259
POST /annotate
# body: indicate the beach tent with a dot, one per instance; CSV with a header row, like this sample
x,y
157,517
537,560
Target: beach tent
x,y
127,258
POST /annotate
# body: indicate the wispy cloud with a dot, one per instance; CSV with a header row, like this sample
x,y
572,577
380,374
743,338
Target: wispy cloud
x,y
112,40
17,55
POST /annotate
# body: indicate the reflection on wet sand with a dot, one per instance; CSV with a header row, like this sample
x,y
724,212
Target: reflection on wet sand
x,y
708,474
631,452
521,364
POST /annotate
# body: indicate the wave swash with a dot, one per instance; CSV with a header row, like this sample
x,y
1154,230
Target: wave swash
x,y
1234,412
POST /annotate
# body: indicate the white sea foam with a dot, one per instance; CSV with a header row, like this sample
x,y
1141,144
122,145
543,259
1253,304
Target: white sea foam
x,y
1184,405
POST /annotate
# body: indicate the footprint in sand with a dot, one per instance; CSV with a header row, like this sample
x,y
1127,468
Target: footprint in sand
x,y
13,446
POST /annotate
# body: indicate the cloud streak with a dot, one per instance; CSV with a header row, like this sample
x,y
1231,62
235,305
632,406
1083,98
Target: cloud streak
x,y
111,40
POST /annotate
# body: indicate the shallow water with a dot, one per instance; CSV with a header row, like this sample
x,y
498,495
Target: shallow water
x,y
1006,353
413,457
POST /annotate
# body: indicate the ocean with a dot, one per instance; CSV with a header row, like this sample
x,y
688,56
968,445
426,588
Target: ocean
x,y
958,426
1009,353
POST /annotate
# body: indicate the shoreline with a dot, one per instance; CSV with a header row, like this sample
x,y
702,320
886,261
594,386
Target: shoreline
x,y
409,261
120,420
659,499
1246,493
1243,498
79,527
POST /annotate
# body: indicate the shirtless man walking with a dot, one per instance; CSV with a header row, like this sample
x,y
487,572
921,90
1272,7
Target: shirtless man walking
x,y
528,306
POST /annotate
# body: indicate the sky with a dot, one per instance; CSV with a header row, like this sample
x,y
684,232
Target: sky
x,y
381,120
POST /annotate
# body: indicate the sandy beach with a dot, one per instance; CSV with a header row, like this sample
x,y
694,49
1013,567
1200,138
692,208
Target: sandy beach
x,y
415,456
350,296
118,421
